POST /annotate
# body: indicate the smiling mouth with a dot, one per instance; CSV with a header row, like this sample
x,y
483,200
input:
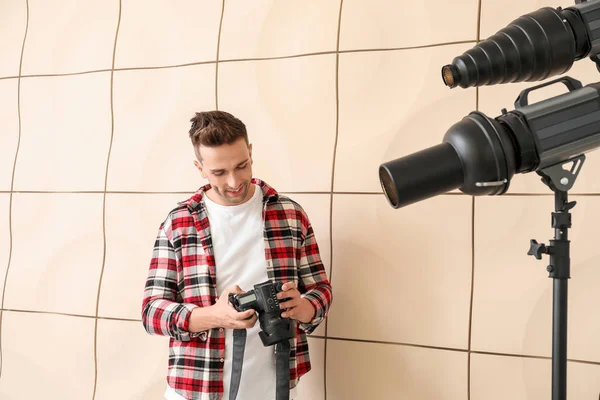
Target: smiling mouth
x,y
236,192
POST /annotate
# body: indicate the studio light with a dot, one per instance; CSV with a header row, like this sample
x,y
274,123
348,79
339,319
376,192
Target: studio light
x,y
533,47
480,155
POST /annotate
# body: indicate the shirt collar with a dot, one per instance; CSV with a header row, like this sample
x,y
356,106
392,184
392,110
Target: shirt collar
x,y
194,202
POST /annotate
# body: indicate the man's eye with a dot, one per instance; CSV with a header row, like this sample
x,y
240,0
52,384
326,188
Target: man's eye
x,y
242,166
217,173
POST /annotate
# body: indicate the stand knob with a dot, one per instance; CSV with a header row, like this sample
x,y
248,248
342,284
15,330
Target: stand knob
x,y
537,249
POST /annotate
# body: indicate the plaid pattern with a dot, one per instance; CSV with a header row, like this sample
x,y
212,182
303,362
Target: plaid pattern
x,y
182,276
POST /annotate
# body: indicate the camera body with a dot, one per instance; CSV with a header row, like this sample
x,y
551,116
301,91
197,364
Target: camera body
x,y
263,299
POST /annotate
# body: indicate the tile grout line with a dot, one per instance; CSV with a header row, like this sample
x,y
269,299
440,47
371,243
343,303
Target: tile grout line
x,y
242,60
471,297
496,354
341,339
458,350
335,145
424,46
56,75
528,356
403,344
282,192
217,56
16,310
472,294
12,183
112,133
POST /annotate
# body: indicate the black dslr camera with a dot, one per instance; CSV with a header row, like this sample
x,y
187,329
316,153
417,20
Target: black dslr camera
x,y
263,299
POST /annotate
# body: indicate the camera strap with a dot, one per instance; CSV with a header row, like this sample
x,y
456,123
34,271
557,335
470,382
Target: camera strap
x,y
282,366
239,345
282,370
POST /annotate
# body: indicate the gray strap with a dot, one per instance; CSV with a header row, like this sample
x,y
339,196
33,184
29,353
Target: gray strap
x,y
282,368
239,343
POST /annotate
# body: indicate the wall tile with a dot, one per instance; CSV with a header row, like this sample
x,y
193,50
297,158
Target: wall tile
x,y
292,133
512,306
151,146
131,363
57,253
55,351
269,28
13,20
65,133
380,24
128,255
9,130
80,38
388,110
381,371
168,34
402,275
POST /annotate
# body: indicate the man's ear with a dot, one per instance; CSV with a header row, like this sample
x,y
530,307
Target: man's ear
x,y
250,153
199,166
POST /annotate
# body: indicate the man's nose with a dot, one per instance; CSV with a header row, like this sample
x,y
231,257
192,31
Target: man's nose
x,y
232,181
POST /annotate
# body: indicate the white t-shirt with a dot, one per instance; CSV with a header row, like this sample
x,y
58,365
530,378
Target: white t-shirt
x,y
238,243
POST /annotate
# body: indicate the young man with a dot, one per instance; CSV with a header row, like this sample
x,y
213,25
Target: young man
x,y
235,232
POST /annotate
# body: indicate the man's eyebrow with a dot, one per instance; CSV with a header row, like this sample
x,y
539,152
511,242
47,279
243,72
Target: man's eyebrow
x,y
222,170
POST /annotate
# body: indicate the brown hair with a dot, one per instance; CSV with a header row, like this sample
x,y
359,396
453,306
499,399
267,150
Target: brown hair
x,y
215,128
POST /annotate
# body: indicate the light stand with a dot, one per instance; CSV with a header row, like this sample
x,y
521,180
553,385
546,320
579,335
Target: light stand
x,y
559,180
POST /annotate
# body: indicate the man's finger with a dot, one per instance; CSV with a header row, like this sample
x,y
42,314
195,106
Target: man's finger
x,y
290,303
235,290
289,313
288,294
247,323
288,286
243,315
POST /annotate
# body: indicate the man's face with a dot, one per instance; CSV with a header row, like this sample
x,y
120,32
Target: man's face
x,y
228,169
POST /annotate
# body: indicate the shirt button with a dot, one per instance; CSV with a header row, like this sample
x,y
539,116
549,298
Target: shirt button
x,y
220,329
222,360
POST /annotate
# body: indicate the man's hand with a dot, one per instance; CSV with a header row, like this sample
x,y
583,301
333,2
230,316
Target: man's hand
x,y
296,307
228,317
222,314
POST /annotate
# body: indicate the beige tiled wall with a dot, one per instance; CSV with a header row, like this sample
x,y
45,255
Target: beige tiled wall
x,y
434,301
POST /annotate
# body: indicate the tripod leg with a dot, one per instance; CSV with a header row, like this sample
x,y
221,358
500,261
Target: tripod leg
x,y
560,272
559,339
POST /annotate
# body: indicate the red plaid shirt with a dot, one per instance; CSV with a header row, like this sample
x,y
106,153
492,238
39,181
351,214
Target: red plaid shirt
x,y
182,276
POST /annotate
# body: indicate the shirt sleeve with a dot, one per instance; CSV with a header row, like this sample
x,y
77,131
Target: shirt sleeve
x,y
161,313
313,282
